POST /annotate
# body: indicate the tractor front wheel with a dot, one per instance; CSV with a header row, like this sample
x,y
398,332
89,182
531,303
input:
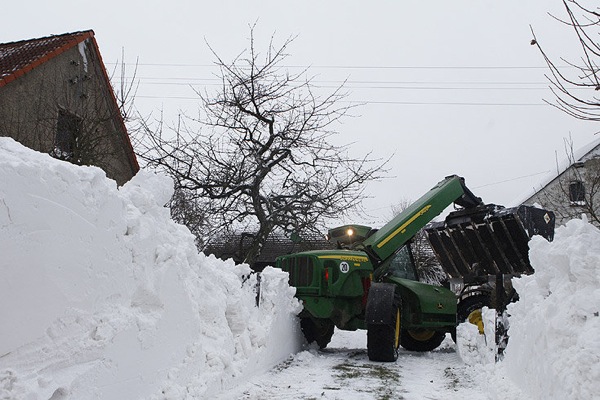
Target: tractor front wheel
x,y
383,340
469,310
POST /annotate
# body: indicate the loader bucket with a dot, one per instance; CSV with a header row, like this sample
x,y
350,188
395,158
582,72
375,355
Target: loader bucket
x,y
488,240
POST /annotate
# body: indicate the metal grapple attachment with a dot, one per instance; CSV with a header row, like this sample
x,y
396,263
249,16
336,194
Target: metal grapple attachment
x,y
488,239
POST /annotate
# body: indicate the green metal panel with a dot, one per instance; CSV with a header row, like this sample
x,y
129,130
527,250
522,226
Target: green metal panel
x,y
329,273
344,312
330,283
433,299
427,305
405,225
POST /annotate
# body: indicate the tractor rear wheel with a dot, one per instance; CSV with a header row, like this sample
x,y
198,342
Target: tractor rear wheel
x,y
421,339
317,330
383,340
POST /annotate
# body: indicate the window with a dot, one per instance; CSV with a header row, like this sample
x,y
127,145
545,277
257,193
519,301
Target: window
x,y
68,129
577,193
402,265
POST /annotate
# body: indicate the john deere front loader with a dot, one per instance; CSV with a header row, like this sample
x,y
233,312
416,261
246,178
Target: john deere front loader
x,y
370,281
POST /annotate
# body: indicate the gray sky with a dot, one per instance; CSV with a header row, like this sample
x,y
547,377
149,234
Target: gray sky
x,y
451,87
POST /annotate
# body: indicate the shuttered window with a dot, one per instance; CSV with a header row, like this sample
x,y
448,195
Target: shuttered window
x,y
577,193
68,129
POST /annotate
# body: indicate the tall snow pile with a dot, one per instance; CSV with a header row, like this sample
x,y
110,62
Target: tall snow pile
x,y
103,296
554,346
553,349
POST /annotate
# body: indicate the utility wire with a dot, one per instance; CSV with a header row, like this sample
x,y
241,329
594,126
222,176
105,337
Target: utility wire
x,y
357,85
169,78
512,179
378,102
317,86
450,67
389,207
371,85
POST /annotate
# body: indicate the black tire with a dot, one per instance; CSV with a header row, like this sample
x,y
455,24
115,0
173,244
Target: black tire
x,y
469,304
421,339
317,330
383,340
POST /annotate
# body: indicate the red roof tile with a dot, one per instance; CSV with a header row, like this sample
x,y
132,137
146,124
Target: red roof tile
x,y
18,58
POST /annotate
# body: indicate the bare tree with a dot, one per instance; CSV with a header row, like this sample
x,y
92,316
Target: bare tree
x,y
583,73
263,161
189,212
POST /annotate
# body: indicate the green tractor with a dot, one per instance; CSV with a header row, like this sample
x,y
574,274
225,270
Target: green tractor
x,y
370,281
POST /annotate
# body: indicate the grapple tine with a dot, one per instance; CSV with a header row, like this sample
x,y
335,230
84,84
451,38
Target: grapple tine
x,y
488,240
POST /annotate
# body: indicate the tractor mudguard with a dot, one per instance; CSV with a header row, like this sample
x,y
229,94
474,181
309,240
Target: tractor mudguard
x,y
380,303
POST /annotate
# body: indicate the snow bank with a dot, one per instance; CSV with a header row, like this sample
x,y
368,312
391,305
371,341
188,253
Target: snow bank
x,y
102,295
474,348
554,347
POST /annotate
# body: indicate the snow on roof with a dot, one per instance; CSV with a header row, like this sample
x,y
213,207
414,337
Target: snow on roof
x,y
585,153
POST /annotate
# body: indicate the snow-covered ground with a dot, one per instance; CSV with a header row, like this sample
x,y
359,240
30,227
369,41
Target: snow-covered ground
x,y
343,371
102,296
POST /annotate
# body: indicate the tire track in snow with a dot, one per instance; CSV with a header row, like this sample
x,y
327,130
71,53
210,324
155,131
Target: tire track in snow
x,y
343,371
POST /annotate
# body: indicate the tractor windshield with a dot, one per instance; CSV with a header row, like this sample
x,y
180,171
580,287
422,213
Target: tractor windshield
x,y
400,265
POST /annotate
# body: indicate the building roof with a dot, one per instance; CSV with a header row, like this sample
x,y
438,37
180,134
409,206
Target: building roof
x,y
18,58
227,246
587,152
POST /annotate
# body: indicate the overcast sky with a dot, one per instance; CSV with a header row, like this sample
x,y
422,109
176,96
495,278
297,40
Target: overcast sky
x,y
450,87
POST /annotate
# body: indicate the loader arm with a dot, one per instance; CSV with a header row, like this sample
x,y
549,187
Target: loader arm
x,y
384,243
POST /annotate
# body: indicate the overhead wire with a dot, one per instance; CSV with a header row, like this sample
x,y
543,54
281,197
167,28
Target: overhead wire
x,y
359,85
351,86
416,103
467,67
512,179
389,207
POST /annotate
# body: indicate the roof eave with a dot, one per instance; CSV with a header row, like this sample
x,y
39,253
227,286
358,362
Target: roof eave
x,y
135,167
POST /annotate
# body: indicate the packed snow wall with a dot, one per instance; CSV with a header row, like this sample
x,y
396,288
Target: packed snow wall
x,y
553,349
102,295
554,346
